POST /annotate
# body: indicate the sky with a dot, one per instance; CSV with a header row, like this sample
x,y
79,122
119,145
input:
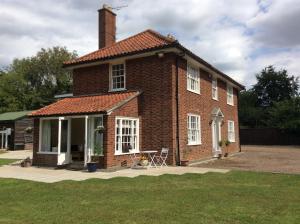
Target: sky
x,y
239,37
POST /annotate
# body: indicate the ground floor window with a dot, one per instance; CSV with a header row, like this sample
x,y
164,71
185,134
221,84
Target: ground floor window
x,y
231,133
193,126
127,137
49,135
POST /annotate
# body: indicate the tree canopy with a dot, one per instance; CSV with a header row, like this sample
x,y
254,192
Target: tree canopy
x,y
32,82
272,102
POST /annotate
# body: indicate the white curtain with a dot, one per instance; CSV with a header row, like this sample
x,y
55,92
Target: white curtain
x,y
46,135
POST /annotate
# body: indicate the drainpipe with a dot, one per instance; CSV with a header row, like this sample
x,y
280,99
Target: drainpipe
x,y
238,107
177,114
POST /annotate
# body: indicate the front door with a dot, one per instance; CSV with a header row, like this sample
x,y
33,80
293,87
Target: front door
x,y
216,137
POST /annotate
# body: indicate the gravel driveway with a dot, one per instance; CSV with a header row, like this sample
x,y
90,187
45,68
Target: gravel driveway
x,y
277,159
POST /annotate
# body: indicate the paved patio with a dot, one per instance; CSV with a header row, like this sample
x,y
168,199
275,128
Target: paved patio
x,y
18,154
50,175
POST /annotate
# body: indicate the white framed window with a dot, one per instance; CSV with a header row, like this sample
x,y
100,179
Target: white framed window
x,y
193,79
214,85
127,135
229,94
231,132
117,77
48,137
194,129
96,136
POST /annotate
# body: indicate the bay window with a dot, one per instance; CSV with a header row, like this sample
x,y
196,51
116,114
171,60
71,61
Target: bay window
x,y
127,136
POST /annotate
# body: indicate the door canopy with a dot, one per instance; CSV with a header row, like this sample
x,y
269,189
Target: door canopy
x,y
216,112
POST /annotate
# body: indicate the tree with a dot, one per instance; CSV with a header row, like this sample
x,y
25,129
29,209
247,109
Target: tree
x,y
274,86
285,115
31,83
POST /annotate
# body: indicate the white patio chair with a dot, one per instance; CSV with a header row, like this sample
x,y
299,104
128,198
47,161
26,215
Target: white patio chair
x,y
162,158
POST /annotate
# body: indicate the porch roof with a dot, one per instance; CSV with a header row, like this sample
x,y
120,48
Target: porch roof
x,y
86,104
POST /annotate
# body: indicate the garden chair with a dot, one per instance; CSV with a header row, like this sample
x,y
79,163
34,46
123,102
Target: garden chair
x,y
162,158
135,160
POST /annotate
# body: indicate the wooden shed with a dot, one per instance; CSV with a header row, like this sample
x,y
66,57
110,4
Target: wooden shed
x,y
16,130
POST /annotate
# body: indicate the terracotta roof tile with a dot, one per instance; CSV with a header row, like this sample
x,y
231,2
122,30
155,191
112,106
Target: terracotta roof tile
x,y
146,40
85,104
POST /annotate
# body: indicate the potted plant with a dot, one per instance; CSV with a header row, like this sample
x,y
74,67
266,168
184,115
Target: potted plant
x,y
144,161
227,143
26,162
100,129
220,145
92,165
28,130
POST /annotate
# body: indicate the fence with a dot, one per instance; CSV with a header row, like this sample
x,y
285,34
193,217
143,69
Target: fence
x,y
267,136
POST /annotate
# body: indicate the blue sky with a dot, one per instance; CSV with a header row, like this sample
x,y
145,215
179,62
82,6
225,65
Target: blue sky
x,y
238,37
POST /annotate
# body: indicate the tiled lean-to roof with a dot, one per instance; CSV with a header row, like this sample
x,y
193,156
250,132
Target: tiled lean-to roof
x,y
86,104
147,40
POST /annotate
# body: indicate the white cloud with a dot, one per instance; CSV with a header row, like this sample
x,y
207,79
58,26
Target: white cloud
x,y
235,36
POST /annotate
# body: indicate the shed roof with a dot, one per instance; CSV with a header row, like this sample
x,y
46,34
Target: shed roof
x,y
12,116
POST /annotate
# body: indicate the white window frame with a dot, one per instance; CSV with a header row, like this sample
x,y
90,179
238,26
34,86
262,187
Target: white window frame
x,y
214,89
231,132
119,151
198,136
111,89
193,75
230,100
40,151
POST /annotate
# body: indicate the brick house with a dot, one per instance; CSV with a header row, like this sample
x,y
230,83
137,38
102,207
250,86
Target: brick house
x,y
141,93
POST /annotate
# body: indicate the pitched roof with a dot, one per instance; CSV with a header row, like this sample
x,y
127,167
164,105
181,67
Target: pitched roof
x,y
147,40
86,104
11,116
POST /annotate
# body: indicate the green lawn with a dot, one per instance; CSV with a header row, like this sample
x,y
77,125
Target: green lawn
x,y
7,161
235,197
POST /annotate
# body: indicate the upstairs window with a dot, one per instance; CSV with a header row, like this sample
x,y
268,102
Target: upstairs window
x,y
231,133
229,94
214,84
117,77
193,126
193,79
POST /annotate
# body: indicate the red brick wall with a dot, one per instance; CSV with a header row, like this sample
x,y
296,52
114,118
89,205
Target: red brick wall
x,y
91,80
203,105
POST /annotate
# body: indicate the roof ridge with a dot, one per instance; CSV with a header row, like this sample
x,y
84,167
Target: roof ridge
x,y
153,32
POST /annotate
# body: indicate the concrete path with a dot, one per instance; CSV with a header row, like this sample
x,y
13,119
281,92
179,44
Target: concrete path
x,y
18,154
49,175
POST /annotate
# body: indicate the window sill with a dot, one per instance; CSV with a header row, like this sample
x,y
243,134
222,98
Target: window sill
x,y
216,99
117,90
127,153
194,91
230,104
194,144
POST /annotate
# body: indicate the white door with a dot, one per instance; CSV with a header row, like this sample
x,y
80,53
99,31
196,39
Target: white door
x,y
64,156
216,137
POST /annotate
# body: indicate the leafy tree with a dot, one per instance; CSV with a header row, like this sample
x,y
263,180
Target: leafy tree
x,y
274,86
31,83
286,115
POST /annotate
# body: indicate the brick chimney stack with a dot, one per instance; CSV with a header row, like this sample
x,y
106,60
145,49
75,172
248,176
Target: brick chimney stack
x,y
107,26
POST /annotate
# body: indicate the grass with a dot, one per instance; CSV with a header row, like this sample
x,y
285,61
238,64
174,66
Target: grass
x,y
235,197
7,161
